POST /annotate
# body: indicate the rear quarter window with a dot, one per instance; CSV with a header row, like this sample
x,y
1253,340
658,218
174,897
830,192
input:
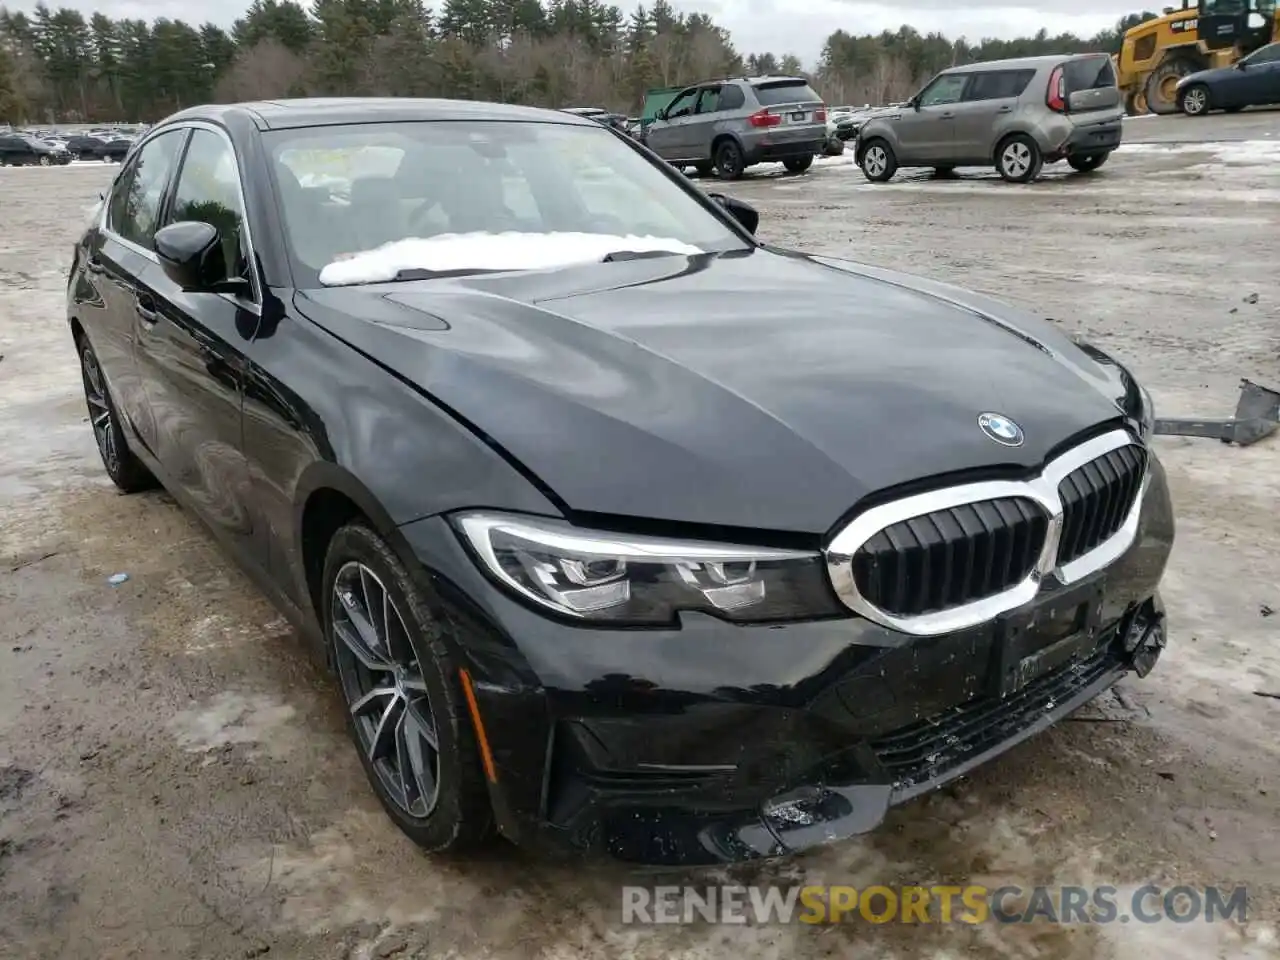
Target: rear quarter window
x,y
1090,73
999,84
785,91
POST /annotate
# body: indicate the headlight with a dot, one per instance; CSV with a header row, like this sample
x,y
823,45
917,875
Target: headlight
x,y
626,580
1148,412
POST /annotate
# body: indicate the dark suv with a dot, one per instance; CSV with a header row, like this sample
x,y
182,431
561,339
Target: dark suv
x,y
18,149
729,125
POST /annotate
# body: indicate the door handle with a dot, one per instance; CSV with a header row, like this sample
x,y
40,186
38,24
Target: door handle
x,y
1005,110
948,116
145,305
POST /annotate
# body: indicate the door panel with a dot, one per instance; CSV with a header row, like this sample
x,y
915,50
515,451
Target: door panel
x,y
189,357
121,257
669,138
926,132
189,348
974,128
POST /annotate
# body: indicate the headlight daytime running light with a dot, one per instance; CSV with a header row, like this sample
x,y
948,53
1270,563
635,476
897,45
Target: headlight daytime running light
x,y
626,580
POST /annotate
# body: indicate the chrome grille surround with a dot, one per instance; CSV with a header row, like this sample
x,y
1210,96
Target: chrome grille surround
x,y
1043,489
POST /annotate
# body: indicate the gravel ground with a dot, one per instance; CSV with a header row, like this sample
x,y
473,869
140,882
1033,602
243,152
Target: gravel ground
x,y
174,776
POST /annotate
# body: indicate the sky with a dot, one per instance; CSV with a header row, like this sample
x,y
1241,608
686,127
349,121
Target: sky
x,y
777,26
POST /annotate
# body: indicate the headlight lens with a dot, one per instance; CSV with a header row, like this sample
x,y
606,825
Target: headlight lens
x,y
626,580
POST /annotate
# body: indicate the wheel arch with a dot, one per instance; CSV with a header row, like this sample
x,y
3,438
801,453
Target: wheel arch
x,y
326,498
720,138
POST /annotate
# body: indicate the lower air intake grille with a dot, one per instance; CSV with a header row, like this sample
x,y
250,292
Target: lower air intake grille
x,y
1096,498
950,557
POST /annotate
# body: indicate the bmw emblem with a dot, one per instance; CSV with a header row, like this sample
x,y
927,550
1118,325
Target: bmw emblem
x,y
1001,429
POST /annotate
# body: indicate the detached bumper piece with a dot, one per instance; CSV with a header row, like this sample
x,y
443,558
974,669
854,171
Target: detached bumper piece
x,y
668,817
1257,415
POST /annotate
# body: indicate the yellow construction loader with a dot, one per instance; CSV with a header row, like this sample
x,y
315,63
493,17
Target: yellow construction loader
x,y
1155,55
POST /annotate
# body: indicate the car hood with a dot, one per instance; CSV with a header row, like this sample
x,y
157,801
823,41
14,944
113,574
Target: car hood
x,y
1206,76
764,390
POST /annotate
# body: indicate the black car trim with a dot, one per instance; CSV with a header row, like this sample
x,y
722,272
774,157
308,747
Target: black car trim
x,y
1043,489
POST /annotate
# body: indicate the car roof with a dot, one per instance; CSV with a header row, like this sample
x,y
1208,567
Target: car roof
x,y
328,111
1021,63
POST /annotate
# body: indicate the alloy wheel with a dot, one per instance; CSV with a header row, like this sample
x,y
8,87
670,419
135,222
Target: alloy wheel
x,y
382,680
1016,159
100,415
44,160
876,161
1195,101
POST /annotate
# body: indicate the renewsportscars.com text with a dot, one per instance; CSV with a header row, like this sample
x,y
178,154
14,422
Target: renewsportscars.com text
x,y
972,904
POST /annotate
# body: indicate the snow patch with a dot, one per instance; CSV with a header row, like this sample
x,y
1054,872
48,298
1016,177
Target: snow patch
x,y
490,251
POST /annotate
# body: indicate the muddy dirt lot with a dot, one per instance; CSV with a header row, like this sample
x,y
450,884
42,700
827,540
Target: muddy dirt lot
x,y
174,776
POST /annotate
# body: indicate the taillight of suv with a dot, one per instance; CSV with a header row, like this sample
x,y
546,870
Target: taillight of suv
x,y
820,115
1056,97
763,118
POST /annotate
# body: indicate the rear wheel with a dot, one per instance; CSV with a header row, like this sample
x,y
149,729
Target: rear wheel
x,y
1088,162
878,161
729,160
1018,159
406,710
45,160
1195,100
125,470
1162,85
798,164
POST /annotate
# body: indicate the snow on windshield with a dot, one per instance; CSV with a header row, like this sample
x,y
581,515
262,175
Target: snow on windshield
x,y
489,251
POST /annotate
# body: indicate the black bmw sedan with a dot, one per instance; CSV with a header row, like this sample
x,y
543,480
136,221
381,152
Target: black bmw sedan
x,y
623,531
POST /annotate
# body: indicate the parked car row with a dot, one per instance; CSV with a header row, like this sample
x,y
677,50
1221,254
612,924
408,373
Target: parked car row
x,y
46,148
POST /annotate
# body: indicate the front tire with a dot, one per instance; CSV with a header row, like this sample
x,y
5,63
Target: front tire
x,y
797,164
125,470
406,710
1088,162
878,161
1195,101
1018,160
730,163
45,160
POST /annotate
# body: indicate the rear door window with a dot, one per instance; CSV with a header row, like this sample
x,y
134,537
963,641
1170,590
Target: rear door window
x,y
1089,73
998,84
785,91
709,100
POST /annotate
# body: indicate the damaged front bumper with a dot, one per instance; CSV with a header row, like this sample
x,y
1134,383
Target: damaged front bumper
x,y
715,742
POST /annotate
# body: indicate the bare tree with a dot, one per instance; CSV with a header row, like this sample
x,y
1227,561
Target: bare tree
x,y
267,69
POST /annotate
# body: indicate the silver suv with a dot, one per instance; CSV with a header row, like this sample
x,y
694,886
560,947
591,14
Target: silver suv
x,y
1016,114
729,125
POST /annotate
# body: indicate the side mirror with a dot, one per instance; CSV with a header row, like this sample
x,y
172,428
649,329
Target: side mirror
x,y
661,114
746,215
1241,65
191,255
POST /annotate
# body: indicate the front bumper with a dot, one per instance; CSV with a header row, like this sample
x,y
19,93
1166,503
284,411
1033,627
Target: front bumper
x,y
716,743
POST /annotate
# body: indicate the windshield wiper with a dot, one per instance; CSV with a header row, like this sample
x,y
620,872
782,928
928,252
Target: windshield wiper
x,y
617,255
422,273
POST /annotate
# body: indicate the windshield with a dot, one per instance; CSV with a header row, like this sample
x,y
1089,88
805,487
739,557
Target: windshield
x,y
365,203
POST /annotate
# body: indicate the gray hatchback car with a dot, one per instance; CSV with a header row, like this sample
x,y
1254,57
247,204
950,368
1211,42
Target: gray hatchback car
x,y
729,125
1015,114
